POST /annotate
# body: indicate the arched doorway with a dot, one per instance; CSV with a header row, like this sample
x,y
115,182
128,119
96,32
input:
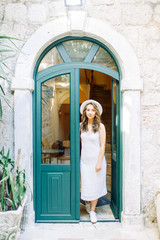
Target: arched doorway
x,y
131,88
67,67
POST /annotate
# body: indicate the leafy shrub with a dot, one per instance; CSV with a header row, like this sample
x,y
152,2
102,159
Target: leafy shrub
x,y
12,182
8,49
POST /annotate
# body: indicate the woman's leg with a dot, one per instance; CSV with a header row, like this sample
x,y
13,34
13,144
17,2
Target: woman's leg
x,y
93,204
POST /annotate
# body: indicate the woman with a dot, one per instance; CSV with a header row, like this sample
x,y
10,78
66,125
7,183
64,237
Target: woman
x,y
93,163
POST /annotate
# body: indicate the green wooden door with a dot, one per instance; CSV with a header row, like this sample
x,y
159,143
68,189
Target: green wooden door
x,y
57,164
115,154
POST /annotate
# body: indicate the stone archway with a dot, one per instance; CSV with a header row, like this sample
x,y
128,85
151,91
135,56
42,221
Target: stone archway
x,y
131,87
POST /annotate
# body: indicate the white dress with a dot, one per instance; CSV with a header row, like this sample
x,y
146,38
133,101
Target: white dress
x,y
93,184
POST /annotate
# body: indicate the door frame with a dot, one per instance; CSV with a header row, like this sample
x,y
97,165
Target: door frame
x,y
92,66
117,161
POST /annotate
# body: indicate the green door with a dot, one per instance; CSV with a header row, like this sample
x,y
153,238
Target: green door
x,y
57,164
115,155
56,126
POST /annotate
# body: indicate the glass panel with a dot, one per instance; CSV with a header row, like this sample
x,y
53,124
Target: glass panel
x,y
55,110
114,120
51,58
77,49
102,57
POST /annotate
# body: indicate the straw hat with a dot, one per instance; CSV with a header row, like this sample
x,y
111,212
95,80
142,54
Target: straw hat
x,y
83,105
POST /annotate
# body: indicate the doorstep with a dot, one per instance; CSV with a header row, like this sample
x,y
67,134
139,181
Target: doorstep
x,y
87,231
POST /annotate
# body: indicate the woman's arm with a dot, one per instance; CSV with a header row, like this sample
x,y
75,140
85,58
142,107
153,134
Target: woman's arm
x,y
102,147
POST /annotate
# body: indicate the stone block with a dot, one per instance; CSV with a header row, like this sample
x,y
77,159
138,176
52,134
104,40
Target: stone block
x,y
151,83
147,133
158,137
147,69
141,50
132,35
132,222
22,84
111,14
16,12
148,151
57,9
23,138
151,99
157,14
104,2
158,68
19,30
74,22
1,11
138,15
37,13
155,50
130,1
100,2
131,172
149,33
7,29
153,1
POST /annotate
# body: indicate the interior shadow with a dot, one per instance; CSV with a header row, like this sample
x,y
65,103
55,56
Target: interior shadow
x,y
96,85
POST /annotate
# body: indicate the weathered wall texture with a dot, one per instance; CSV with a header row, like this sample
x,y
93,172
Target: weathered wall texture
x,y
139,22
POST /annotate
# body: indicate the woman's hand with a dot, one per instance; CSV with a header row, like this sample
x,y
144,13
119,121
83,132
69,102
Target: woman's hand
x,y
98,167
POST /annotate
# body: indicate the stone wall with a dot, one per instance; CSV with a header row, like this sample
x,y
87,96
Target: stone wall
x,y
139,22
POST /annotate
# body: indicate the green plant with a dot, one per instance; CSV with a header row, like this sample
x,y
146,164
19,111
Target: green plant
x,y
8,49
12,182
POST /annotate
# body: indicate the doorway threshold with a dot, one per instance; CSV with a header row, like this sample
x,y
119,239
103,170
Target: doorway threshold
x,y
104,214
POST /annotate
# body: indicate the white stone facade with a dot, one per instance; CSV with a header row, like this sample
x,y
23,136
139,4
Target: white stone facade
x,y
130,28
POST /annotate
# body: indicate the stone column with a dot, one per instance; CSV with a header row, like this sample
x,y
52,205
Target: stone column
x,y
131,215
23,133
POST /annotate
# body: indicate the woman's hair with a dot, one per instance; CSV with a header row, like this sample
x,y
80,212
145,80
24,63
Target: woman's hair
x,y
96,120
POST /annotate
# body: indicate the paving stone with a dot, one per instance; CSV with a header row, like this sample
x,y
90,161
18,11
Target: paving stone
x,y
87,231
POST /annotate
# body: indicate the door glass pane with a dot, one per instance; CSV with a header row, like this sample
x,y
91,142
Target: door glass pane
x,y
55,111
77,49
102,57
114,120
51,58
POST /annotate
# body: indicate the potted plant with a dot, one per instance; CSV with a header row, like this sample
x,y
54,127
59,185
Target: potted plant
x,y
8,51
12,177
12,196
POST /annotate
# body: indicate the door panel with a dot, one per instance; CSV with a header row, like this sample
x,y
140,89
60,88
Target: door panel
x,y
58,147
55,198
